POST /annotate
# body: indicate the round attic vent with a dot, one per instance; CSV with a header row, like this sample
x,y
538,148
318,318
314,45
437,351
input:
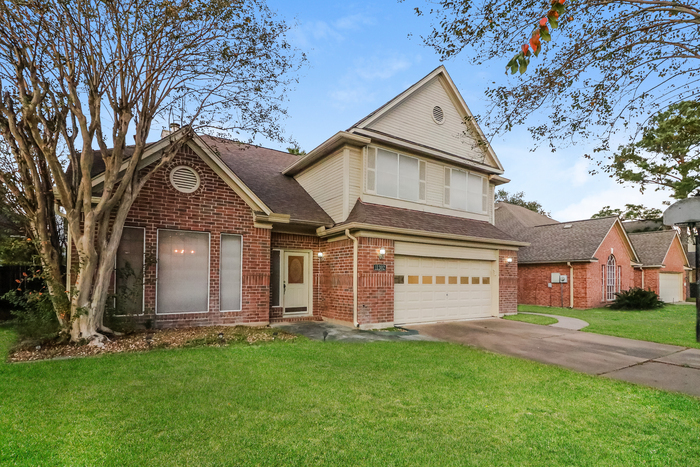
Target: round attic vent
x,y
184,179
438,115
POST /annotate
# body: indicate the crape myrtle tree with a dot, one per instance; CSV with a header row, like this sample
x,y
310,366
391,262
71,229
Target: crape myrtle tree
x,y
85,79
587,68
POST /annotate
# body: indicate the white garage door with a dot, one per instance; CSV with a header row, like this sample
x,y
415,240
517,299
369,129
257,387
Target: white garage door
x,y
671,287
436,289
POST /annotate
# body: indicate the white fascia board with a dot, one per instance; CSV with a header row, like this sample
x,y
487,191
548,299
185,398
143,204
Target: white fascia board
x,y
324,149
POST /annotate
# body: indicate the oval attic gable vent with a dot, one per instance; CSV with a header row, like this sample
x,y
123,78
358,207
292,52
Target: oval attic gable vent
x,y
438,115
184,179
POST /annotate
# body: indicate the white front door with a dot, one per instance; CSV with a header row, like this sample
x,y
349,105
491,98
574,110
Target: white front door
x,y
296,282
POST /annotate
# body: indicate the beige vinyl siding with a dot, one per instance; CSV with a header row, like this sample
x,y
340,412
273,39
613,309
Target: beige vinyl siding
x,y
491,202
325,182
355,179
412,120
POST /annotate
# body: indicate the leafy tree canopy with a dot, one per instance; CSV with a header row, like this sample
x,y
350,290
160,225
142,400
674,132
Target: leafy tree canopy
x,y
601,65
666,156
630,212
519,200
296,150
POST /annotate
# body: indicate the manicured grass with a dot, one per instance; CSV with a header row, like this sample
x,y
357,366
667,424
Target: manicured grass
x,y
673,324
533,319
313,403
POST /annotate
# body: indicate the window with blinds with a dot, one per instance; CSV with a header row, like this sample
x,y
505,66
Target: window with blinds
x,y
395,175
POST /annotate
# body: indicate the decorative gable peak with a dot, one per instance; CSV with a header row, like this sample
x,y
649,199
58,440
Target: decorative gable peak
x,y
432,114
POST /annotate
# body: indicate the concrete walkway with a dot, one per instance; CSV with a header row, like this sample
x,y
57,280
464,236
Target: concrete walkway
x,y
563,322
667,367
323,330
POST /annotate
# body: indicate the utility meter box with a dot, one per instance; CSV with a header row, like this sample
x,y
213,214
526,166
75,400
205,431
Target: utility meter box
x,y
558,278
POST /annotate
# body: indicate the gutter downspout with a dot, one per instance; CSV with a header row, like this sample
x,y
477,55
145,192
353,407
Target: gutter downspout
x,y
354,277
642,277
571,284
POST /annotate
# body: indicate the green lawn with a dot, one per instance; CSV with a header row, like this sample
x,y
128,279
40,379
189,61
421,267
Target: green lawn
x,y
312,403
534,319
673,324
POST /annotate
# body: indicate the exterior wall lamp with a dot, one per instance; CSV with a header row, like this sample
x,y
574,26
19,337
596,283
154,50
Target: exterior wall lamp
x,y
509,260
320,256
382,253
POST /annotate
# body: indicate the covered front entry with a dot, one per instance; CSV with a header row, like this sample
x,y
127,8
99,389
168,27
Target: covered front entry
x,y
428,289
297,279
671,287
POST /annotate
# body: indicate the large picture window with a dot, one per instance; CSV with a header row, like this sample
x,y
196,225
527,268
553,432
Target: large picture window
x,y
466,191
230,274
183,272
129,272
395,175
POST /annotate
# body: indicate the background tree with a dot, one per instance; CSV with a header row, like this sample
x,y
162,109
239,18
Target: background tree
x,y
667,155
609,62
519,200
82,78
630,213
296,150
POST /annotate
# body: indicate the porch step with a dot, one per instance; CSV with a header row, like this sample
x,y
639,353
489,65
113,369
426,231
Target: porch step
x,y
295,319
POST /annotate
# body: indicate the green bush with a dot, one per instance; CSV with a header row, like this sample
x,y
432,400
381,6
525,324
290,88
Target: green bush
x,y
636,299
34,315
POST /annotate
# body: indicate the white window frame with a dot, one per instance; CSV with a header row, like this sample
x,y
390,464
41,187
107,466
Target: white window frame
x,y
143,279
240,303
611,286
279,282
447,194
422,170
158,272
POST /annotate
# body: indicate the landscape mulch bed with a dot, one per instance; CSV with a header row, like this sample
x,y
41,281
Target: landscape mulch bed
x,y
153,339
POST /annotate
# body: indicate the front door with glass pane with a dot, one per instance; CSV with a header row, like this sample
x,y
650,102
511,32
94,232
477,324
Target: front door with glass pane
x,y
296,282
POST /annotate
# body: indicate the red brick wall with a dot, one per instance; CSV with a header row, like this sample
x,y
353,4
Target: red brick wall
x,y
533,279
508,282
673,262
375,301
213,208
337,281
302,242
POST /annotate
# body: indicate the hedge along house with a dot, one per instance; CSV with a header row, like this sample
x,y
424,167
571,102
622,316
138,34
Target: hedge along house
x,y
664,264
596,256
389,222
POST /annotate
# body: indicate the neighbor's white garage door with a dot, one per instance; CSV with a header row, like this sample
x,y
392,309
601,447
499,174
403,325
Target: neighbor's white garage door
x,y
436,289
671,287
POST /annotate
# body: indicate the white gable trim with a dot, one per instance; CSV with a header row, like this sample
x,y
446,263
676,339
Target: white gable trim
x,y
630,247
454,95
686,263
155,151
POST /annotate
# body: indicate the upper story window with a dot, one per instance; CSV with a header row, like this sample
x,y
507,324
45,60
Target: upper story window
x,y
395,175
466,191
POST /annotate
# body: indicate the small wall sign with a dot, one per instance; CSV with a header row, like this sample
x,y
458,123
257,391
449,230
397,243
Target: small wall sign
x,y
380,267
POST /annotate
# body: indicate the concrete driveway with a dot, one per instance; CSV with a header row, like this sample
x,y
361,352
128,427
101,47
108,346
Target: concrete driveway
x,y
662,366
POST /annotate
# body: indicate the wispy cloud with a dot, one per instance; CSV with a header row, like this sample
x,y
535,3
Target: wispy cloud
x,y
615,197
353,22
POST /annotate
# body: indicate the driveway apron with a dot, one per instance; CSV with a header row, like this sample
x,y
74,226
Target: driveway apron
x,y
668,367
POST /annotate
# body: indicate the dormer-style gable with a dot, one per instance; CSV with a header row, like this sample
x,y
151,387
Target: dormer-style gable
x,y
433,117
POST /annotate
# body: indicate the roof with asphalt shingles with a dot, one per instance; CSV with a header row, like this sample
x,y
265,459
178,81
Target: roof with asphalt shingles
x,y
652,246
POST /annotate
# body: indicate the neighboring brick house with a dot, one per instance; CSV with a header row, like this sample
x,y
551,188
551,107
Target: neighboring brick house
x,y
389,222
664,264
597,256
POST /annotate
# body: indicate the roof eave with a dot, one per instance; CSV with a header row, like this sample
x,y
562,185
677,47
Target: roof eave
x,y
339,139
422,233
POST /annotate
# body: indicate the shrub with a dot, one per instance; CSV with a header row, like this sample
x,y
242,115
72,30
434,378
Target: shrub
x,y
636,299
34,315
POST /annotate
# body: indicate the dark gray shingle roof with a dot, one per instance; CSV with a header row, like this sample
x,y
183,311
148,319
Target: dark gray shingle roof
x,y
387,216
261,170
551,241
652,246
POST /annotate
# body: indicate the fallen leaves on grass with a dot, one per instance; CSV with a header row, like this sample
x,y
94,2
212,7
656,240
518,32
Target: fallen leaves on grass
x,y
154,339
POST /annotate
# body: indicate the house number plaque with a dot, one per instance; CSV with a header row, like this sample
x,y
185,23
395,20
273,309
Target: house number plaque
x,y
380,267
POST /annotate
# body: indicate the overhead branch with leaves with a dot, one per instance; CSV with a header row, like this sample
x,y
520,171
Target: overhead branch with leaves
x,y
84,80
609,64
667,156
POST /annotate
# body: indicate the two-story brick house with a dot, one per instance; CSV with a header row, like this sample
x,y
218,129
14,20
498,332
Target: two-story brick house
x,y
389,222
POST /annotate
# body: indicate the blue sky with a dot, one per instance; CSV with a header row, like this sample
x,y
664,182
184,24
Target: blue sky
x,y
360,56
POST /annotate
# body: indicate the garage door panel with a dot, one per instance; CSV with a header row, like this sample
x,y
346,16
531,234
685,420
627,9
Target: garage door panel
x,y
446,290
671,287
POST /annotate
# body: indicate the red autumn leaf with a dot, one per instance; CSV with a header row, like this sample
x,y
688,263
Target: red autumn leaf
x,y
525,49
543,22
18,281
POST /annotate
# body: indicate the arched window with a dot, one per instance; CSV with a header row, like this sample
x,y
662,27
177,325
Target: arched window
x,y
611,283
